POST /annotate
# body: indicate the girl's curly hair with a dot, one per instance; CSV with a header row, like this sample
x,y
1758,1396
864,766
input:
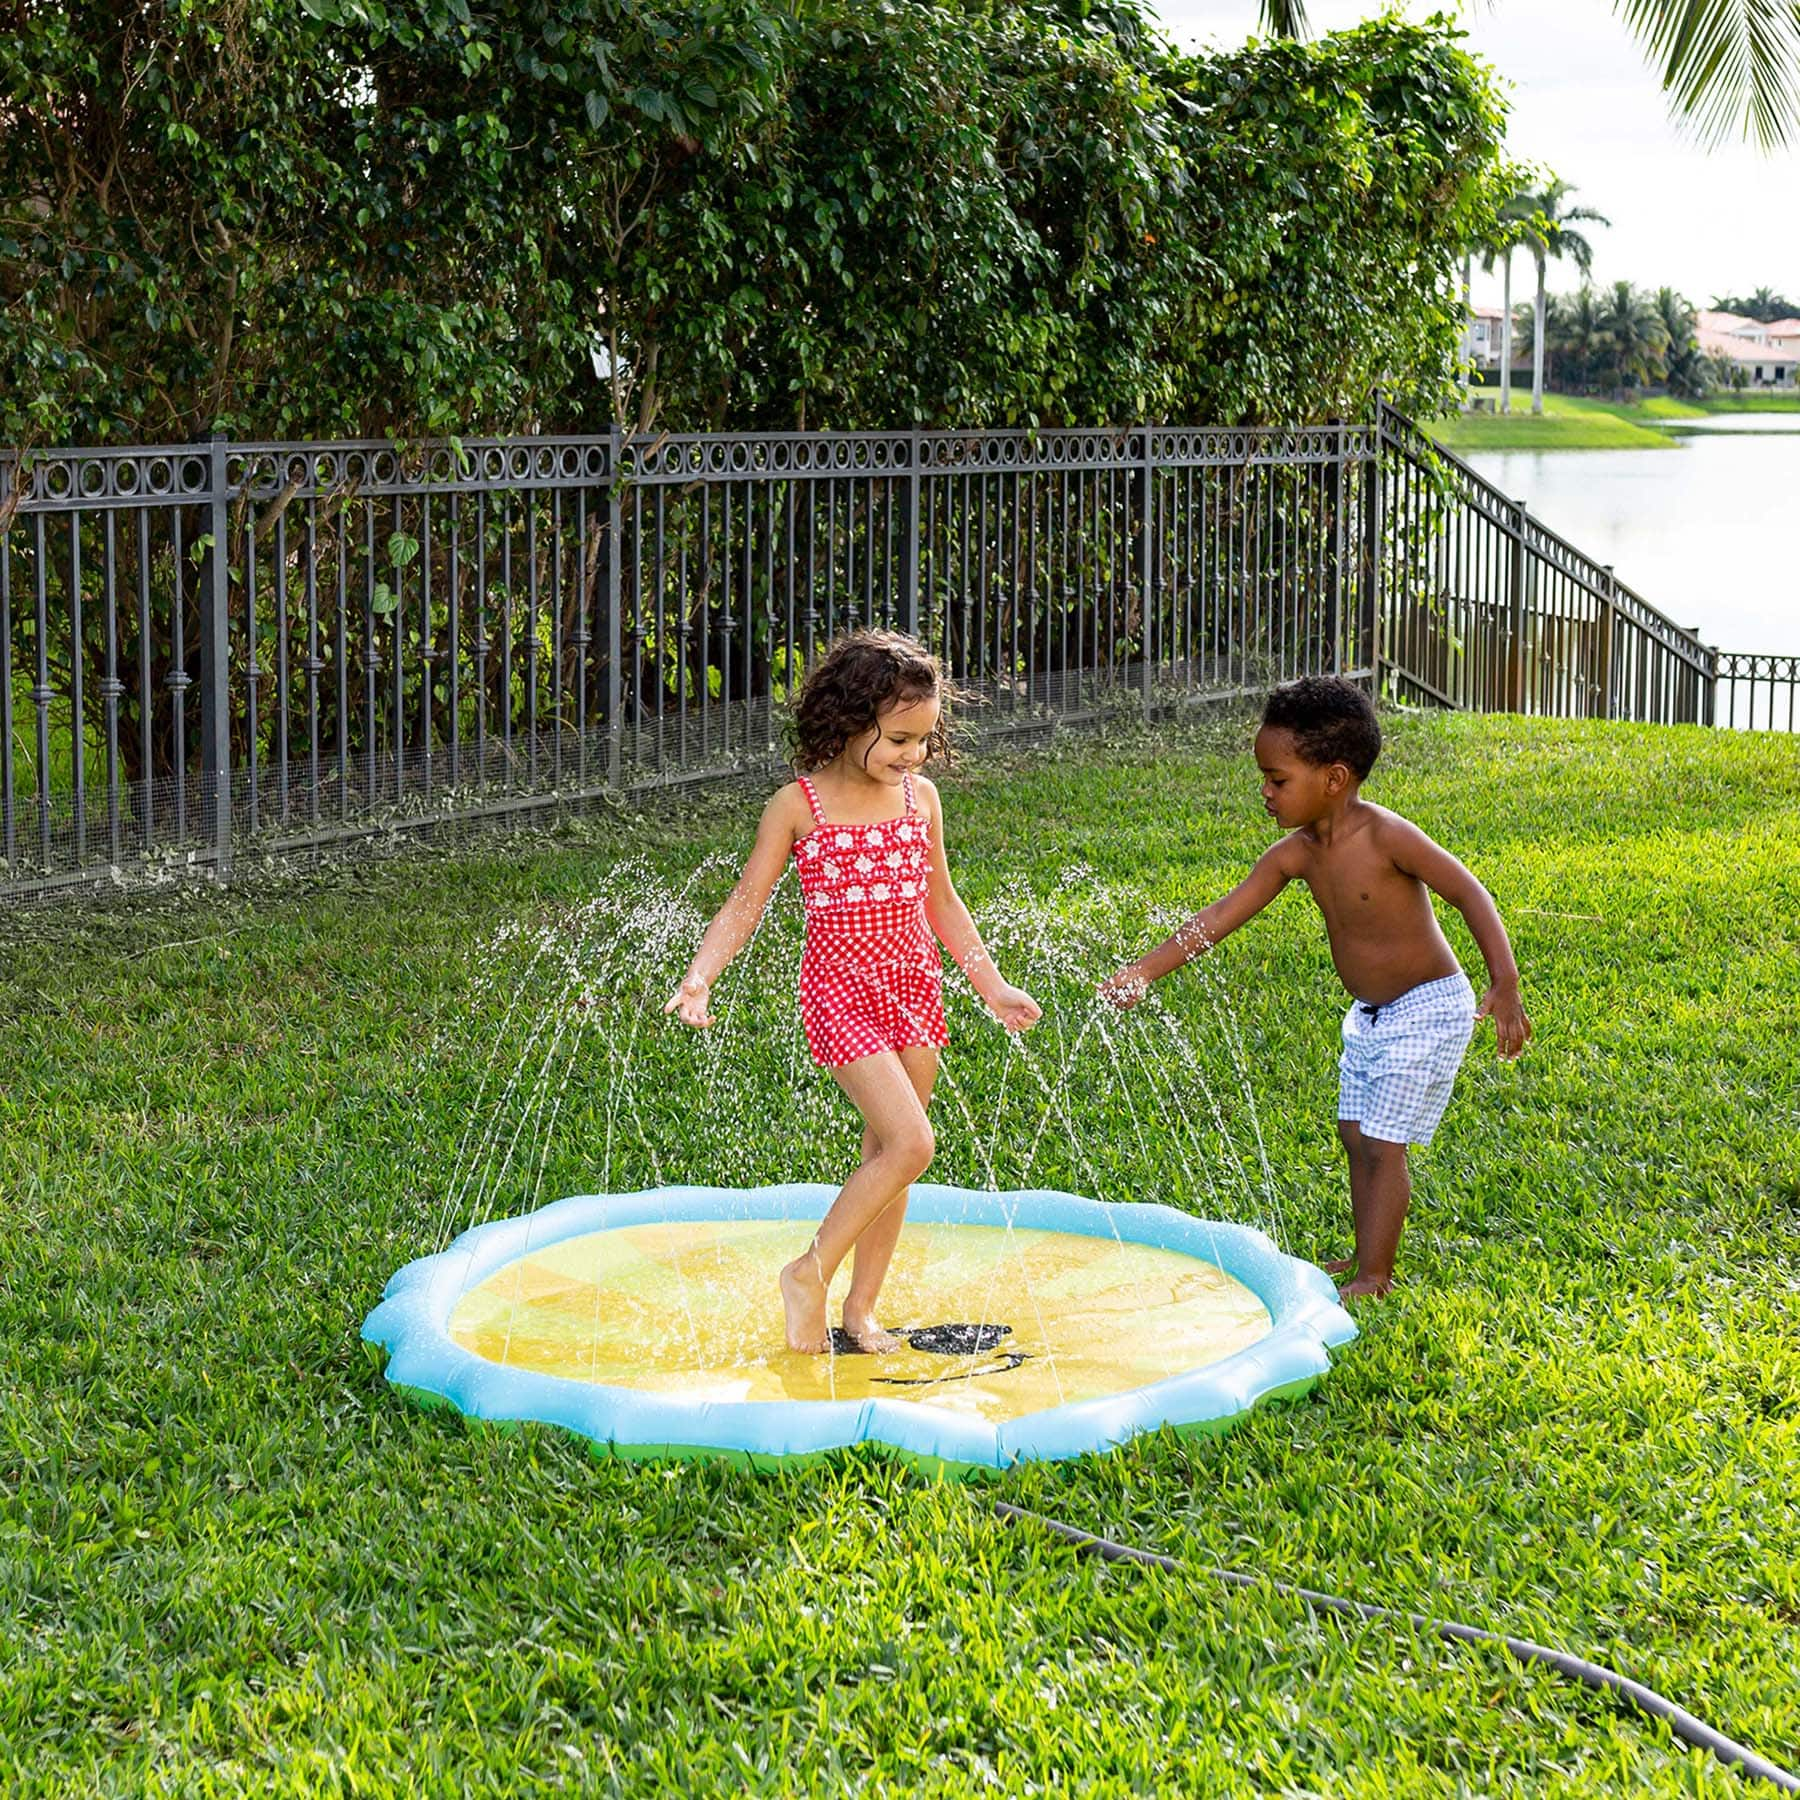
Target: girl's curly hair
x,y
857,680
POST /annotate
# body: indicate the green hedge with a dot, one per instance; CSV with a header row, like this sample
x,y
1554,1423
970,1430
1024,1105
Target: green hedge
x,y
368,217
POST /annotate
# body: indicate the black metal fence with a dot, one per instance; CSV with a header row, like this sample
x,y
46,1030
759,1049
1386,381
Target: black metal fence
x,y
1759,693
1490,610
223,649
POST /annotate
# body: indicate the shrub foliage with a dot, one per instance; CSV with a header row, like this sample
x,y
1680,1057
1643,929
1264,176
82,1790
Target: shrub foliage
x,y
401,215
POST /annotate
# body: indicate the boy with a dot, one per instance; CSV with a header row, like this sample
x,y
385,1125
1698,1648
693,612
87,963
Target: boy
x,y
1372,875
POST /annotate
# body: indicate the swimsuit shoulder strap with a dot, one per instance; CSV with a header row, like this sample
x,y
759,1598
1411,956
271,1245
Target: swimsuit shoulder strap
x,y
812,799
912,804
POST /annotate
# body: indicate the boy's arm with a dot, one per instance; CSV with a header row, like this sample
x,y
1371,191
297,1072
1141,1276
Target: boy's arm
x,y
952,926
733,923
1271,872
1415,854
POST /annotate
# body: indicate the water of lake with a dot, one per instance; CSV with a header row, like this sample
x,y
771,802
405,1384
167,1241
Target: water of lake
x,y
1708,533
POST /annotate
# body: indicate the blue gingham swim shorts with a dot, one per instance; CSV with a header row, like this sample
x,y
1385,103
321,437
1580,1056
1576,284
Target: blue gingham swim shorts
x,y
1400,1060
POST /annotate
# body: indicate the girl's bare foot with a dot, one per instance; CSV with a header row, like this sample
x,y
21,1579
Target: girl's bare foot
x,y
1341,1265
1366,1287
868,1336
803,1301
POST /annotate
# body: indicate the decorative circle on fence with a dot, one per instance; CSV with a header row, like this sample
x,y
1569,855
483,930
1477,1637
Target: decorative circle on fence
x,y
1035,1325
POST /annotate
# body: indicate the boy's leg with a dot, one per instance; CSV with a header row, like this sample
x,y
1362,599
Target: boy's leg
x,y
1386,1194
1351,1134
889,1103
875,1247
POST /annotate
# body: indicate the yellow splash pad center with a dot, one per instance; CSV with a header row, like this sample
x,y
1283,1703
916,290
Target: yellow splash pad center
x,y
691,1309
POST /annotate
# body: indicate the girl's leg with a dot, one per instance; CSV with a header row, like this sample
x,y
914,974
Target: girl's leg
x,y
875,1248
889,1103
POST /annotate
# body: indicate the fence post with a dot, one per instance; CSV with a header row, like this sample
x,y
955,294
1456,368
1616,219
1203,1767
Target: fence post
x,y
1147,561
1609,624
1515,629
909,549
1334,477
1373,529
615,515
215,661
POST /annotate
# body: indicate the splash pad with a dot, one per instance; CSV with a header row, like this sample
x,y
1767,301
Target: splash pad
x,y
1037,1325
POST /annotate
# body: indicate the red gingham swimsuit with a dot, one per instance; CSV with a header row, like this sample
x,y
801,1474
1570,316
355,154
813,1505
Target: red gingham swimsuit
x,y
871,975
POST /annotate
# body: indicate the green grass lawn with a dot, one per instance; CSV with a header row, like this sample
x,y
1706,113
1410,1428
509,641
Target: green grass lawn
x,y
1574,422
1568,422
1786,401
236,1562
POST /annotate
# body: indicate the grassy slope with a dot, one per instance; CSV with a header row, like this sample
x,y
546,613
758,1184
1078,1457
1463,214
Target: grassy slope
x,y
1788,401
234,1561
1567,422
1571,422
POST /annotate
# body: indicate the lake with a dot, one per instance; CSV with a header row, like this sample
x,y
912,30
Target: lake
x,y
1709,533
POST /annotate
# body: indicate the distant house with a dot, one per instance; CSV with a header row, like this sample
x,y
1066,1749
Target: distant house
x,y
1766,356
1481,337
1482,342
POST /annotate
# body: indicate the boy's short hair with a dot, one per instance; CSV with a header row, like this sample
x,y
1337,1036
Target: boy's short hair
x,y
1333,721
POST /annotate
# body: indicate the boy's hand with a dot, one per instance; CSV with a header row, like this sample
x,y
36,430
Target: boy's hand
x,y
1014,1008
1512,1030
693,1001
1125,987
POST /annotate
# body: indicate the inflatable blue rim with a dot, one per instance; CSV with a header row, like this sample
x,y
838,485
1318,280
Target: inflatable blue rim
x,y
410,1324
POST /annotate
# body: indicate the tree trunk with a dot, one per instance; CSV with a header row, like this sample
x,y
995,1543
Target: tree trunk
x,y
1537,340
1506,334
1468,284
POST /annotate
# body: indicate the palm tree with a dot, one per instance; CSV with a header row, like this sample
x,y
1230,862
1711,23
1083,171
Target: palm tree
x,y
1575,330
1634,337
1468,313
1498,249
1765,304
1571,339
1687,372
1549,232
1727,65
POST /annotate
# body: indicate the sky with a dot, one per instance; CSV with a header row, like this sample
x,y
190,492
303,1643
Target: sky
x,y
1585,103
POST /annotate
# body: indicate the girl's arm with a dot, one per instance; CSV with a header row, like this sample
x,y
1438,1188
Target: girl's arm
x,y
955,930
1271,872
733,923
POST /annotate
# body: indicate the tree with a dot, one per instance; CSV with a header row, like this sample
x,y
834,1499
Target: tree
x,y
1726,65
1572,351
1687,372
412,216
1631,337
1765,304
1549,232
1621,339
1497,248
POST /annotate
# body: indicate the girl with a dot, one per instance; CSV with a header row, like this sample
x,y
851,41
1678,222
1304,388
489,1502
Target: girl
x,y
867,834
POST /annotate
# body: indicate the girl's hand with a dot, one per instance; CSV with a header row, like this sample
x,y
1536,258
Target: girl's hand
x,y
692,1001
1014,1008
1125,987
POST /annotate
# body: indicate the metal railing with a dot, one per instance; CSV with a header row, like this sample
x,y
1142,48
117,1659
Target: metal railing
x,y
1486,608
221,650
1759,693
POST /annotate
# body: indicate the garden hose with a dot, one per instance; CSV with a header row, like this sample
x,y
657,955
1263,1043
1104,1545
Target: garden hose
x,y
1679,1720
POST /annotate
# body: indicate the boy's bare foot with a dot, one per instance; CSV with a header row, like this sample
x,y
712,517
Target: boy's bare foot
x,y
1339,1265
1366,1287
868,1337
803,1301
